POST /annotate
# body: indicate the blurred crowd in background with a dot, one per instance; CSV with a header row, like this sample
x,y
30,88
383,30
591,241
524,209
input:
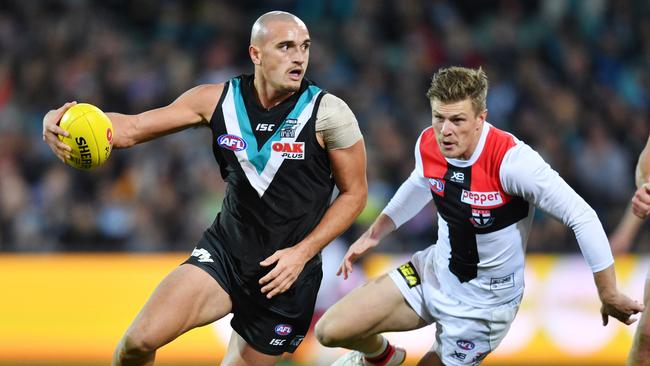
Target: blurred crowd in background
x,y
569,77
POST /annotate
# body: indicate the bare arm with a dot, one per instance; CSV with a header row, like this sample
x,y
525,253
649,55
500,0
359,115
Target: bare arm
x,y
409,199
639,207
349,169
643,166
641,199
622,238
192,108
614,303
382,226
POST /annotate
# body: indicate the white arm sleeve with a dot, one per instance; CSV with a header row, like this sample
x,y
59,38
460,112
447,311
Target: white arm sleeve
x,y
524,173
409,199
411,196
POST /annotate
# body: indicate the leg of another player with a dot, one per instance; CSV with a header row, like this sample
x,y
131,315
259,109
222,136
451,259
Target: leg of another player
x,y
430,359
640,352
241,353
357,321
187,298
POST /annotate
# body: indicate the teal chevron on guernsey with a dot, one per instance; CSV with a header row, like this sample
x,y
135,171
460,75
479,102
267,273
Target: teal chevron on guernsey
x,y
260,164
260,156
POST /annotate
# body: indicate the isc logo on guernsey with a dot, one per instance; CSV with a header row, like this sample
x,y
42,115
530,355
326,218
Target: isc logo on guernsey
x,y
231,142
290,150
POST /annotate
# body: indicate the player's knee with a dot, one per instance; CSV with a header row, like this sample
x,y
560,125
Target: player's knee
x,y
135,346
328,334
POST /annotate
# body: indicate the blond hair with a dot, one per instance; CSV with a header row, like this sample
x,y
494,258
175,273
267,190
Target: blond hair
x,y
454,84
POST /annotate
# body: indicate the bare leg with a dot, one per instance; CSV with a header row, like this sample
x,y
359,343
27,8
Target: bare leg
x,y
640,352
356,321
430,359
187,298
241,353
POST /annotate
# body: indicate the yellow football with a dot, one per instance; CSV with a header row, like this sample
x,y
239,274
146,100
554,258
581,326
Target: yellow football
x,y
91,136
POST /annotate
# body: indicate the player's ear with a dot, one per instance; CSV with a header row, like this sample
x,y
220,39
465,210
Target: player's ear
x,y
255,54
483,115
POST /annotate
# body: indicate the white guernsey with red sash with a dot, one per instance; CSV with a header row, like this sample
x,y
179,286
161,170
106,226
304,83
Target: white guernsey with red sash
x,y
485,208
478,239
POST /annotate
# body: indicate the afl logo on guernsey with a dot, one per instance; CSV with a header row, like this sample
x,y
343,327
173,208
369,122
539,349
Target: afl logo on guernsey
x,y
436,185
231,142
283,329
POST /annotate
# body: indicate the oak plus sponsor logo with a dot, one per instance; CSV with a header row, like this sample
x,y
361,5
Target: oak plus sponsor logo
x,y
481,199
436,185
231,142
289,150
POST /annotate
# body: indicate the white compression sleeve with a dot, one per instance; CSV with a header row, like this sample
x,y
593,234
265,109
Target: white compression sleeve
x,y
409,199
524,173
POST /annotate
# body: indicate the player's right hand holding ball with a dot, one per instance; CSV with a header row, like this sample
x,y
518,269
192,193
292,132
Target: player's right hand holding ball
x,y
51,132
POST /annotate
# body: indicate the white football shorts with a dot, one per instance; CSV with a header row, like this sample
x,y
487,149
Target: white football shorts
x,y
465,335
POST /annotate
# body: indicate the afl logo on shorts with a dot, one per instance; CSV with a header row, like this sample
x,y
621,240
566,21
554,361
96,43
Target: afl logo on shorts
x,y
436,185
231,142
465,344
283,329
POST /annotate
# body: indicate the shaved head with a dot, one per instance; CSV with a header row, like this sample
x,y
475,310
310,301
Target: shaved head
x,y
260,27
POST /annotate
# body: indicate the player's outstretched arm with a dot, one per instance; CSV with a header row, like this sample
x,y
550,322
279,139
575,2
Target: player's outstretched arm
x,y
192,108
614,303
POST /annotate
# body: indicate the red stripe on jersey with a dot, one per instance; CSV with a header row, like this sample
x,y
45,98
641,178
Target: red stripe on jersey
x,y
433,162
485,171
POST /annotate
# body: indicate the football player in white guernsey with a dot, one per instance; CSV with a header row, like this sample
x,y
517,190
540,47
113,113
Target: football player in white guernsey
x,y
484,183
621,241
189,296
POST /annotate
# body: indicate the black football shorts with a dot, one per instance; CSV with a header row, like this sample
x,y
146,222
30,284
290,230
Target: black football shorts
x,y
271,326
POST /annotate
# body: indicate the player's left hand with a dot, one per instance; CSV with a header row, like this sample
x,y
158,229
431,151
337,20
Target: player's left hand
x,y
289,264
620,307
